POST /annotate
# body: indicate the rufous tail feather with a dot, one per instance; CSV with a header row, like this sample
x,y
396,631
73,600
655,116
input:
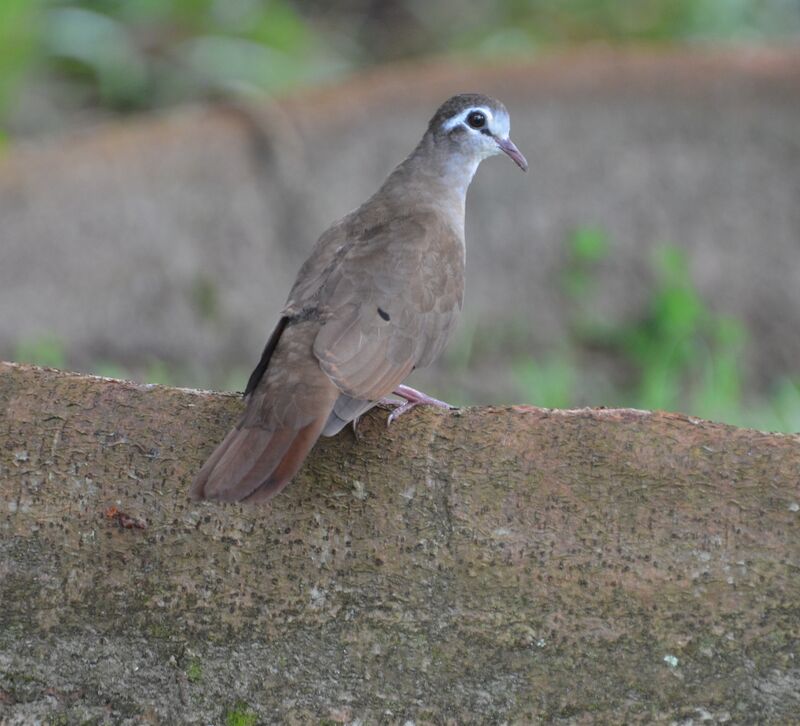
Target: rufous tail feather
x,y
255,464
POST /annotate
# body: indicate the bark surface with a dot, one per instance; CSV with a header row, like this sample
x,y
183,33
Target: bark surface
x,y
479,566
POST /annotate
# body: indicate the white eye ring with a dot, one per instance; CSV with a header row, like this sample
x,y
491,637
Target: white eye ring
x,y
461,119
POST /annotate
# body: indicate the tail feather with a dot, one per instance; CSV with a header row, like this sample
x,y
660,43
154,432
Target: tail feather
x,y
197,489
255,464
239,458
241,463
290,464
289,399
242,468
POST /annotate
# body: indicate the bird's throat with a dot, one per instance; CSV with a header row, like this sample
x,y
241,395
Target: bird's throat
x,y
437,177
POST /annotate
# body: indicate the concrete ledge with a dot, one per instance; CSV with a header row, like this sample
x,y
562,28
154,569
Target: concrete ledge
x,y
481,566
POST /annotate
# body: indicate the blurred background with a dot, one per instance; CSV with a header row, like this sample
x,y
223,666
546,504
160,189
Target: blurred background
x,y
65,63
165,166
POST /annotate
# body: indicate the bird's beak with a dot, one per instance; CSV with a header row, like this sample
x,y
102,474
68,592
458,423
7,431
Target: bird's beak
x,y
508,146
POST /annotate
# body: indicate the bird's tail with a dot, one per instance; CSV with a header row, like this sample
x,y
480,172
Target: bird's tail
x,y
253,464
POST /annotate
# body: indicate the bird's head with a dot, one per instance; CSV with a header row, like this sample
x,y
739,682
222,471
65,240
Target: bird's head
x,y
475,126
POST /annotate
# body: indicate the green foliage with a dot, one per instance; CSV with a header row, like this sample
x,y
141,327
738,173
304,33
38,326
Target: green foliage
x,y
50,351
588,247
194,671
680,355
158,371
92,47
680,345
45,350
240,715
145,53
521,26
17,44
108,369
550,383
139,54
784,407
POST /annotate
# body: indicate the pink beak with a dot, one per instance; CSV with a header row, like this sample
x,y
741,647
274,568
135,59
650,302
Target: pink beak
x,y
508,146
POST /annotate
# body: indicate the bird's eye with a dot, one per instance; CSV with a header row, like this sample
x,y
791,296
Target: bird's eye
x,y
477,120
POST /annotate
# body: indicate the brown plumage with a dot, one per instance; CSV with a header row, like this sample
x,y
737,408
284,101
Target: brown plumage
x,y
377,297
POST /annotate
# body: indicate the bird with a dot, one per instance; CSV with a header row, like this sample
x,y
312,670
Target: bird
x,y
377,298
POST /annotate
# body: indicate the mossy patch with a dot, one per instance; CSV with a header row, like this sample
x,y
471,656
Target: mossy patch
x,y
240,715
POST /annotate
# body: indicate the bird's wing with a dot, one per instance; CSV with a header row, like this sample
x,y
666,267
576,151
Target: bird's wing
x,y
372,303
388,303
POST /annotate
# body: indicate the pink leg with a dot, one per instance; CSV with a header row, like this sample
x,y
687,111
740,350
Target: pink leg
x,y
413,398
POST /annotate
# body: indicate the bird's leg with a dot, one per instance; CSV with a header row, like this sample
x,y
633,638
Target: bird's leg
x,y
413,398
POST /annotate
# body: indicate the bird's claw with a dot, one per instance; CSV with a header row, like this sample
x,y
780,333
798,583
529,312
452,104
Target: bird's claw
x,y
413,398
399,411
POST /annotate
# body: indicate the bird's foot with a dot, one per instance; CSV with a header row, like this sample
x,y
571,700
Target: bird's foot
x,y
356,432
413,398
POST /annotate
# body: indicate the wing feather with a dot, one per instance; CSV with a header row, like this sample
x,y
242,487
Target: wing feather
x,y
389,304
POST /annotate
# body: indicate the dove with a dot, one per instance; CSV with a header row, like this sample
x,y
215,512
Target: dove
x,y
377,298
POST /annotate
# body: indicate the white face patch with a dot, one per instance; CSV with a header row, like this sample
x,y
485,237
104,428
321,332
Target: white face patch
x,y
499,125
461,118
